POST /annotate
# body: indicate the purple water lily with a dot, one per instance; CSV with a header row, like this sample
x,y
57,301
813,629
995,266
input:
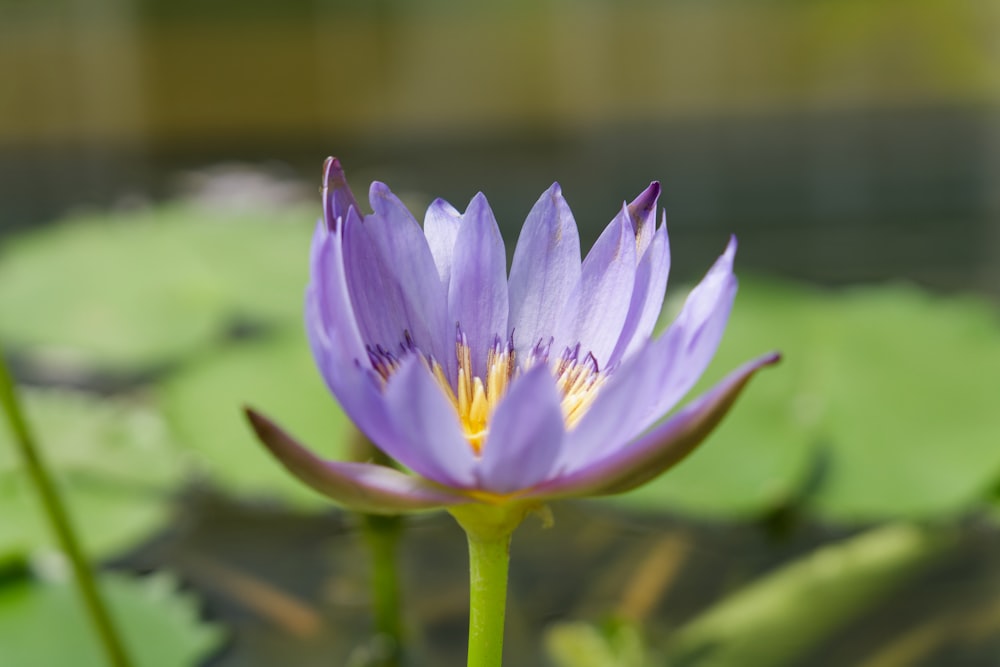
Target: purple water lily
x,y
494,389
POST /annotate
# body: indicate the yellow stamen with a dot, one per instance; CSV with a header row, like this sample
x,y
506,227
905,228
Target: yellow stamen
x,y
475,398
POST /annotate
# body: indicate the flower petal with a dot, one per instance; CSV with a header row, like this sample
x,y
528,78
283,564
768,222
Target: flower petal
x,y
647,296
597,308
329,311
337,196
526,434
698,329
648,384
661,448
361,486
426,435
642,213
477,295
441,223
545,270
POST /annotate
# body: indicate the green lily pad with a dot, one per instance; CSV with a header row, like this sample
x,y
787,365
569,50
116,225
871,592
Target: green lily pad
x,y
113,462
146,287
204,407
44,624
884,405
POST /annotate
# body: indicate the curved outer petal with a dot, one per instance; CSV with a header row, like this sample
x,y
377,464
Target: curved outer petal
x,y
656,377
647,296
597,308
698,328
477,295
526,434
545,270
661,448
329,311
361,486
441,223
337,196
425,433
394,280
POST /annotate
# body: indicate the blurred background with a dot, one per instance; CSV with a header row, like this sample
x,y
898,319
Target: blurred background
x,y
159,173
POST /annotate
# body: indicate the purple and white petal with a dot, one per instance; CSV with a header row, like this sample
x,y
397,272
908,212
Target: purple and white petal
x,y
642,213
661,448
441,223
526,434
331,313
647,296
337,196
698,329
655,378
409,275
425,432
596,310
477,295
545,270
361,486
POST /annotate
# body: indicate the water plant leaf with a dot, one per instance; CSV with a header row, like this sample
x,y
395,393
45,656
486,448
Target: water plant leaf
x,y
145,287
884,406
812,595
204,408
160,626
113,461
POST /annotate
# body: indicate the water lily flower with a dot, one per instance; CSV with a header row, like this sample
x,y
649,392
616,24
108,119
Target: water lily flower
x,y
497,390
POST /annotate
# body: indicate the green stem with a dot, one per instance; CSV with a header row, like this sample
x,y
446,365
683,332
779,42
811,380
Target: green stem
x,y
60,521
382,535
488,561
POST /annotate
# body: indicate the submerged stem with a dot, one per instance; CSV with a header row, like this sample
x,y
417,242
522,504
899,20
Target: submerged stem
x,y
488,564
59,519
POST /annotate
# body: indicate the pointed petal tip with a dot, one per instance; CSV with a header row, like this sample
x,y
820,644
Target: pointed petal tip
x,y
730,252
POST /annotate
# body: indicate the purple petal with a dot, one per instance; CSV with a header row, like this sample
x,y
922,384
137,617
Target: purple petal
x,y
402,279
526,434
625,406
380,306
647,296
331,314
698,329
441,223
362,486
598,307
545,269
477,295
642,214
426,434
648,384
661,448
337,196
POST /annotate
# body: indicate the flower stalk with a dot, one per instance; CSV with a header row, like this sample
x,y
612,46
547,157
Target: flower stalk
x,y
489,557
60,522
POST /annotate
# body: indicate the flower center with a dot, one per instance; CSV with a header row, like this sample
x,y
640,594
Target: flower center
x,y
476,398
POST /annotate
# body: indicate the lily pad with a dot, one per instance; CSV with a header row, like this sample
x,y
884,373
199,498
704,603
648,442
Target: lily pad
x,y
43,624
885,405
148,287
204,407
114,464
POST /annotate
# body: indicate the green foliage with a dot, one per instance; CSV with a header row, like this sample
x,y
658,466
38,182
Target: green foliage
x,y
145,288
115,465
203,405
777,618
884,405
576,644
42,624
